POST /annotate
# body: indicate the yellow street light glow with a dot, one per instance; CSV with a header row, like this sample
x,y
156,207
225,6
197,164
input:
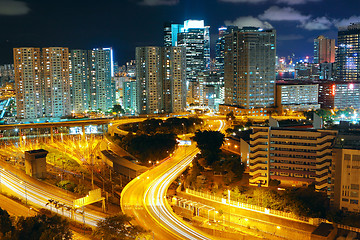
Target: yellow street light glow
x,y
246,219
278,227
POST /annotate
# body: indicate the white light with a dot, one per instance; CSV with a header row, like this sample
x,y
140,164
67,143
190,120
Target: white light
x,y
193,24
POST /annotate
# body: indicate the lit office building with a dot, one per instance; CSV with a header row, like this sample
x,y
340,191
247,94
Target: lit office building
x,y
249,71
347,95
79,75
57,96
293,156
28,83
294,96
220,46
195,37
171,31
348,53
102,86
324,50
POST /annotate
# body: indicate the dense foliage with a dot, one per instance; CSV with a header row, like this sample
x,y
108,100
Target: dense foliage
x,y
117,227
209,142
148,147
40,227
300,201
170,125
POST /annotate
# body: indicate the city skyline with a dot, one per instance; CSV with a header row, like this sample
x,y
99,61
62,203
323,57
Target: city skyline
x,y
124,25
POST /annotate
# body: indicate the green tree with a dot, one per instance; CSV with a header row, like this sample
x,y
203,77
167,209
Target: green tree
x,y
118,109
6,227
209,142
230,116
43,227
117,227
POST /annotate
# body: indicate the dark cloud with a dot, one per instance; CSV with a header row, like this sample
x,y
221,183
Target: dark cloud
x,y
13,8
276,13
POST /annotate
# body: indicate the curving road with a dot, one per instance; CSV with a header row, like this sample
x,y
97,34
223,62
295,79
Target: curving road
x,y
145,198
37,193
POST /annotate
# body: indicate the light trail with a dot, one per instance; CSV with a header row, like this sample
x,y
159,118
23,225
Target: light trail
x,y
158,215
39,196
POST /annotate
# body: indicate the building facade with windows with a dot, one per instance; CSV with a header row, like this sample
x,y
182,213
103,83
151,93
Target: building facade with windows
x,y
249,71
28,83
348,53
295,157
79,76
345,182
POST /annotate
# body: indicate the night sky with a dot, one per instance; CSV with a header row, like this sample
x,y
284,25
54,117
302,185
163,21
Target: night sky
x,y
125,24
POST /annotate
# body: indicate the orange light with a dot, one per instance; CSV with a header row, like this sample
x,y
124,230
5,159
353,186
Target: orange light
x,y
333,89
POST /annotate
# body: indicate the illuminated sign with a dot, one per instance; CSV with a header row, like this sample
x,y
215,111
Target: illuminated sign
x,y
333,87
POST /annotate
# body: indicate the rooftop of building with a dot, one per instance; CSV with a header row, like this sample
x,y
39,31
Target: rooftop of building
x,y
323,230
37,151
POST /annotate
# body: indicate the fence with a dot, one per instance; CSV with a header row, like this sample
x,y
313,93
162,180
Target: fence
x,y
254,207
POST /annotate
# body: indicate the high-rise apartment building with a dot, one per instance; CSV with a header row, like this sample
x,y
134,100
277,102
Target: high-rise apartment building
x,y
129,95
293,156
102,86
79,75
324,50
249,70
28,83
148,78
160,76
173,79
348,53
57,96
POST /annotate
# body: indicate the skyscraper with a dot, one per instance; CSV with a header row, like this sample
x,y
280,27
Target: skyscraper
x,y
148,79
324,50
160,76
79,75
171,31
55,70
102,86
28,83
195,37
174,79
348,54
129,95
249,71
220,46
